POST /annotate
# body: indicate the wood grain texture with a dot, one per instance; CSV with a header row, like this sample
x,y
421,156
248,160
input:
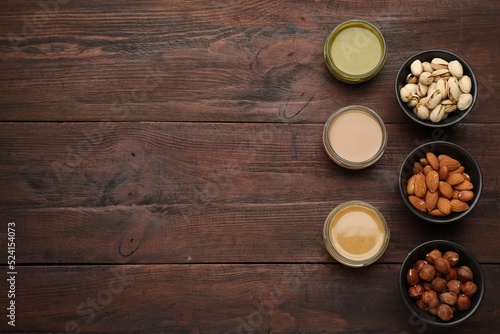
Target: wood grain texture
x,y
164,166
114,164
189,192
288,298
231,61
220,234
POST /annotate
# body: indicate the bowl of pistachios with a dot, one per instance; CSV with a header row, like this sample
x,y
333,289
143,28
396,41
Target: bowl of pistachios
x,y
436,88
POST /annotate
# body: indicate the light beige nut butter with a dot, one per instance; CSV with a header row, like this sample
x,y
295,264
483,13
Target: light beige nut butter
x,y
356,234
354,137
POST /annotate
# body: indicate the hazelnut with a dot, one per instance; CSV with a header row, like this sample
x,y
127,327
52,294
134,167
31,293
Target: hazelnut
x,y
419,264
452,257
469,288
421,305
433,310
454,286
430,298
451,275
412,276
416,291
449,298
433,255
464,274
426,286
463,302
445,312
442,265
438,284
427,272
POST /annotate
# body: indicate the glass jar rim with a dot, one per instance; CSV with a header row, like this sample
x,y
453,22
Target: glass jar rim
x,y
329,244
348,77
342,161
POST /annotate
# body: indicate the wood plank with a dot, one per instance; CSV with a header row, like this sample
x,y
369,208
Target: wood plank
x,y
242,61
228,299
113,164
287,233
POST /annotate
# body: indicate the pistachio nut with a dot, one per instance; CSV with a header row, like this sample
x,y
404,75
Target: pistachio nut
x,y
413,88
422,89
456,69
437,114
410,78
416,67
454,90
405,94
422,112
414,100
441,84
464,101
448,108
439,63
431,89
465,84
441,73
423,100
434,99
426,78
426,66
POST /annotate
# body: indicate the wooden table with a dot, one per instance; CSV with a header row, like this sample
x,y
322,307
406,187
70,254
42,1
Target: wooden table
x,y
163,168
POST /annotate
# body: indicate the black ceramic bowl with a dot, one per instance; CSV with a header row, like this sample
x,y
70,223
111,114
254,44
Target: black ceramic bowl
x,y
428,55
465,258
454,151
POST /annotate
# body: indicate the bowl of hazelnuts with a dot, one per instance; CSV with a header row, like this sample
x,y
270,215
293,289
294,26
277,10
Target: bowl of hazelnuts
x,y
441,283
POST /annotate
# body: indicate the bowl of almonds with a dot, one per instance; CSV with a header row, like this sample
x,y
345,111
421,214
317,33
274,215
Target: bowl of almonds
x,y
440,182
441,283
436,88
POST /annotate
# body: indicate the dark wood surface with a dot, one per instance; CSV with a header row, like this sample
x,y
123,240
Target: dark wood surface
x,y
163,164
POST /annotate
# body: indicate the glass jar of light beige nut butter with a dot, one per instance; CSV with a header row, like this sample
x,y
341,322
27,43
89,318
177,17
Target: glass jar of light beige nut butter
x,y
356,234
354,137
355,51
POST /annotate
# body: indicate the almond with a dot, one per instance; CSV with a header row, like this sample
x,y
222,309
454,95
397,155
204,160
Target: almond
x,y
445,189
418,203
460,170
443,156
418,168
410,185
432,180
420,186
443,173
465,185
444,205
455,178
436,213
455,194
431,199
424,161
465,195
449,162
433,160
458,205
427,169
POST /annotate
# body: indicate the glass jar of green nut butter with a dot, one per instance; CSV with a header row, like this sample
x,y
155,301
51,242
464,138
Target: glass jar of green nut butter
x,y
355,51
